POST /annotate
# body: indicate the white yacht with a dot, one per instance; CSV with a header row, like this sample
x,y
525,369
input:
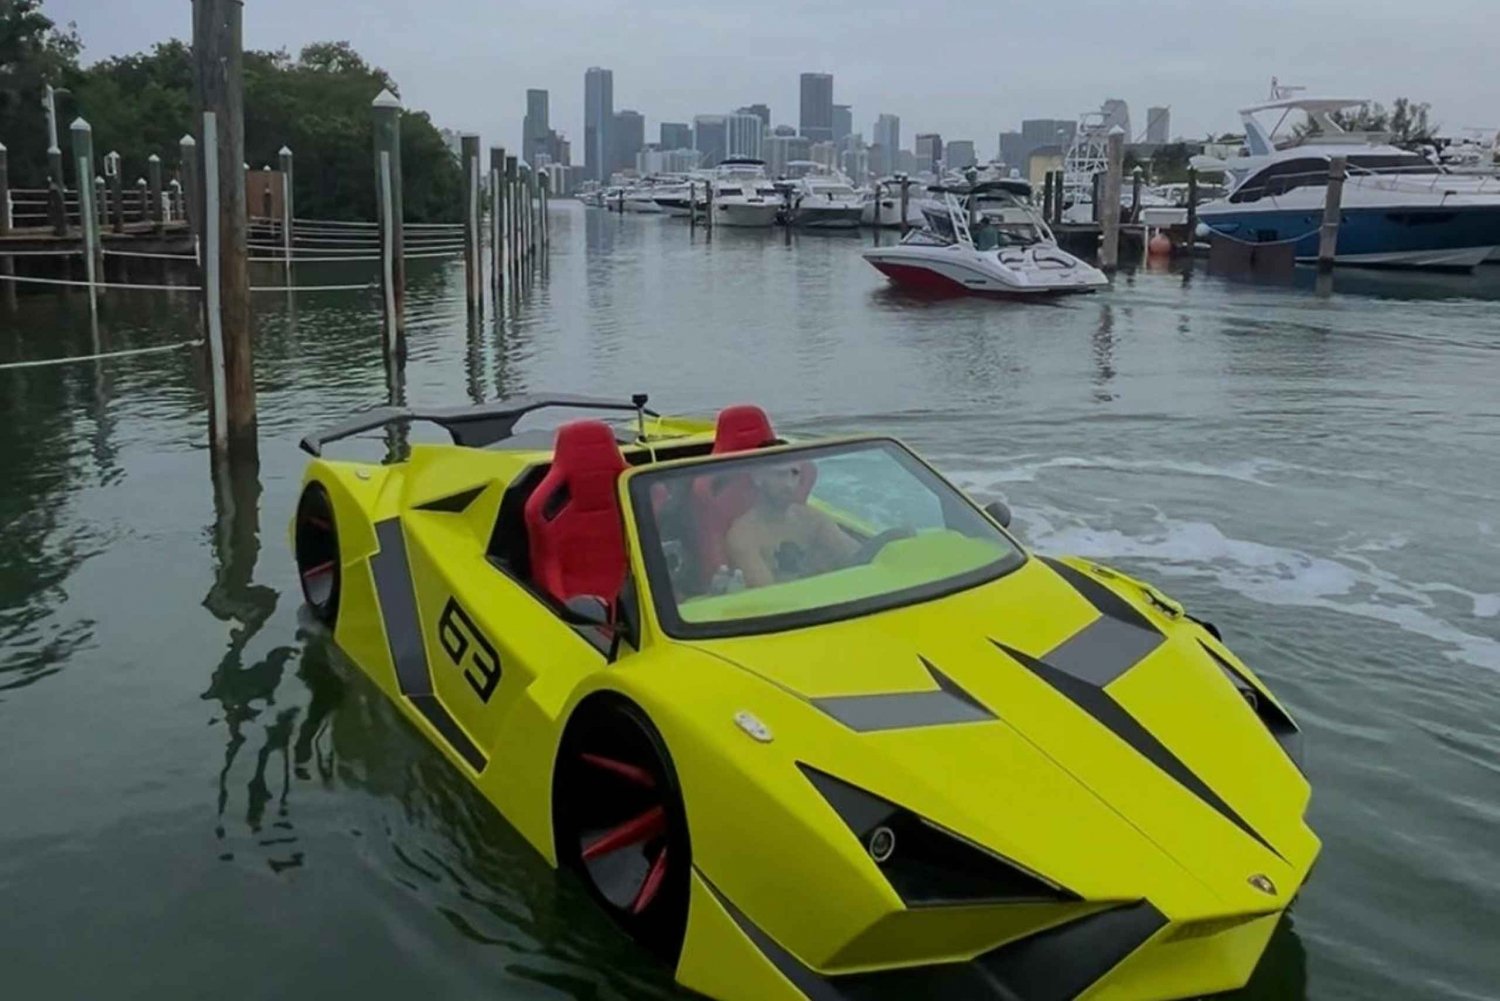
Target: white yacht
x,y
882,204
1399,209
826,201
985,238
743,195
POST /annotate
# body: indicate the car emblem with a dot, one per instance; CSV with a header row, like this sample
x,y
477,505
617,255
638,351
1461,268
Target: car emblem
x,y
751,724
1263,883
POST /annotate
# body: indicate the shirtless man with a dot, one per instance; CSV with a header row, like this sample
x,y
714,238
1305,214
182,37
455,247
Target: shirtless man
x,y
780,538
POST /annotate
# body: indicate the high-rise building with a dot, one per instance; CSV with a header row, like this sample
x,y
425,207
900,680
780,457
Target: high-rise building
x,y
783,130
929,151
1116,112
711,138
536,132
1013,150
743,134
676,135
816,121
780,150
761,111
824,154
887,133
843,122
854,157
1158,125
906,162
598,118
959,154
627,136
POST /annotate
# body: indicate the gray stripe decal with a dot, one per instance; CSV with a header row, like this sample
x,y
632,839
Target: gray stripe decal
x,y
948,703
1103,650
403,635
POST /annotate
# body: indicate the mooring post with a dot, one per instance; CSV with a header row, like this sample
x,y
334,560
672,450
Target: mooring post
x,y
1047,196
83,162
187,152
1097,196
174,198
101,204
1192,208
708,205
523,193
218,70
497,222
1328,235
116,191
531,220
512,220
1057,200
905,200
544,195
7,268
153,175
1109,211
387,115
473,266
284,155
1136,177
692,205
142,200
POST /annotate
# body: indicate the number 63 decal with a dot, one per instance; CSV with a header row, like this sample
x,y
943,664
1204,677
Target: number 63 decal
x,y
460,639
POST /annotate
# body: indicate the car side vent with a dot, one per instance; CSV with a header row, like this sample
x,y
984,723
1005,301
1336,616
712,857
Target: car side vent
x,y
1272,715
926,864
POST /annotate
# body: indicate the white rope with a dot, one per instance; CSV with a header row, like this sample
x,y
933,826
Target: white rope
x,y
309,288
103,285
1261,243
41,362
40,253
159,257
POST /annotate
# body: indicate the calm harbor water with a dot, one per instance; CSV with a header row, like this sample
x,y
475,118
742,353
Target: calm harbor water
x,y
200,797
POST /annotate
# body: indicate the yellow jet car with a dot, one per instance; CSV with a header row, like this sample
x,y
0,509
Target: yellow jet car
x,y
807,721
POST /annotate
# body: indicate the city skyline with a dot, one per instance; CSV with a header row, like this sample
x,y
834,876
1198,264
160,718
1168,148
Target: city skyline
x,y
454,66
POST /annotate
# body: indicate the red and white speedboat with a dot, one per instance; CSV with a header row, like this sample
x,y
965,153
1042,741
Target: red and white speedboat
x,y
993,241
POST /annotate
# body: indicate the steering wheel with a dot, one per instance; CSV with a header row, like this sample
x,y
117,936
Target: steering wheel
x,y
872,546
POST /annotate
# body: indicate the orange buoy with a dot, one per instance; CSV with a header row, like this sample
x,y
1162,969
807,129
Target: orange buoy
x,y
1160,245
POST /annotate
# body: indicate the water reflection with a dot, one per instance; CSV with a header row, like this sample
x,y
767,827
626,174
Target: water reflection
x,y
1104,354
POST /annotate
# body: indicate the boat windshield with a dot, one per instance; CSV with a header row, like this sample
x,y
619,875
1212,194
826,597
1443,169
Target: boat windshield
x,y
768,541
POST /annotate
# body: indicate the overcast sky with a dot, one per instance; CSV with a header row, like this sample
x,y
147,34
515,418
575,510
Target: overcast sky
x,y
967,70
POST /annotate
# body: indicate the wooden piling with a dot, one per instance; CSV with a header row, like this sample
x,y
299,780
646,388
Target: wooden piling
x,y
83,162
497,222
473,264
544,198
1192,207
7,268
153,178
1136,176
1096,196
1109,211
708,206
116,191
692,205
192,202
288,216
1047,196
905,200
218,71
512,243
386,111
1333,200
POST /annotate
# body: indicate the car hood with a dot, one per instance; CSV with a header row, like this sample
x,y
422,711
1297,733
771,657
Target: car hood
x,y
1064,717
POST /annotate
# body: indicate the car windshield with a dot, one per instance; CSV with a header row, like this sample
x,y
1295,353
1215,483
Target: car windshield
x,y
767,541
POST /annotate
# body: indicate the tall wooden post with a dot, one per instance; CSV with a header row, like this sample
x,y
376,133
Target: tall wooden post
x,y
1096,197
473,265
544,224
387,114
1059,179
1047,196
142,200
288,217
905,201
497,221
116,191
1192,207
153,176
1328,234
7,268
692,205
192,201
1109,211
1136,177
512,213
83,163
218,71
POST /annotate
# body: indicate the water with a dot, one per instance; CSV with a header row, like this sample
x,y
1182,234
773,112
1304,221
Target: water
x,y
200,796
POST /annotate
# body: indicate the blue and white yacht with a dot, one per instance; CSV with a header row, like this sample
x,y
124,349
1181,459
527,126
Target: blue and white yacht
x,y
1399,209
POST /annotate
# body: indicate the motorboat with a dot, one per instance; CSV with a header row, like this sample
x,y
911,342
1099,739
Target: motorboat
x,y
1399,209
882,204
984,238
743,195
824,202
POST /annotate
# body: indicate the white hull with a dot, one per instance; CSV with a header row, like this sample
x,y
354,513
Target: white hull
x,y
1035,271
886,212
1461,258
745,214
826,217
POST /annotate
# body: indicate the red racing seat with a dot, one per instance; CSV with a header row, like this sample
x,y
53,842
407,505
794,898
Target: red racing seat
x,y
573,519
742,427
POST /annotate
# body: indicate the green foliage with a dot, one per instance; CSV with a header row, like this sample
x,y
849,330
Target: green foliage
x,y
1407,123
33,53
318,105
1169,164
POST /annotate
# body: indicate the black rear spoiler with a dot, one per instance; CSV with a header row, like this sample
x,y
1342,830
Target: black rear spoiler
x,y
474,426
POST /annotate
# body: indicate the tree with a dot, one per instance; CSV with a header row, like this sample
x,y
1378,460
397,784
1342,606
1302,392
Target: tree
x,y
1406,123
33,53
